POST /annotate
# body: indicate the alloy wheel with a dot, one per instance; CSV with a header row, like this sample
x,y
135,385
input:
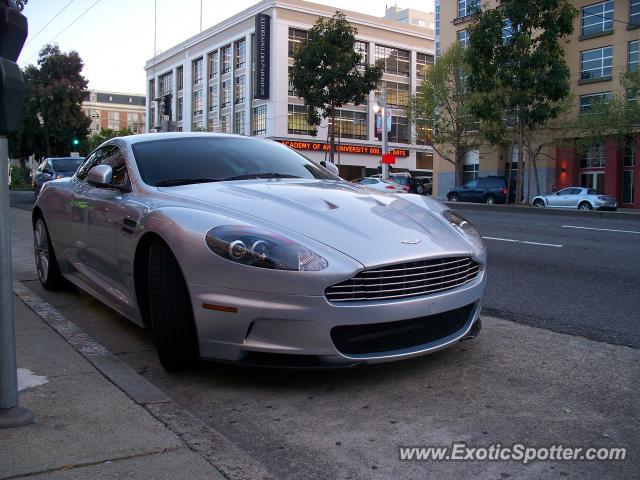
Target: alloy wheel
x,y
41,250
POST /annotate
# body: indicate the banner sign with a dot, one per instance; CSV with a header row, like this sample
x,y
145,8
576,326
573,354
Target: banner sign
x,y
355,149
263,47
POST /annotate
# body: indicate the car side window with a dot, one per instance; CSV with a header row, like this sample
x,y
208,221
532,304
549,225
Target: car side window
x,y
367,181
471,184
115,159
565,191
576,191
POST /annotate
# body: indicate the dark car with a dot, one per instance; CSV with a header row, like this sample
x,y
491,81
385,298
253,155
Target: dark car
x,y
489,190
54,168
421,185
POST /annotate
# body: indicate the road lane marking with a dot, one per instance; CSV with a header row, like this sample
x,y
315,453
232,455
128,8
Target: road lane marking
x,y
523,241
602,229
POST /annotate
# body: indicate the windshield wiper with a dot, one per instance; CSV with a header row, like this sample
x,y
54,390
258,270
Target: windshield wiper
x,y
184,181
249,176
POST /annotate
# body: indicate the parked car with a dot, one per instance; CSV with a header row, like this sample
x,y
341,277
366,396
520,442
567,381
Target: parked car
x,y
53,169
577,197
389,186
261,256
421,185
489,190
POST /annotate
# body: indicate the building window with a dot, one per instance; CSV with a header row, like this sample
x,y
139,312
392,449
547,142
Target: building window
x,y
297,121
634,12
397,94
424,160
113,120
424,134
291,91
197,71
197,102
588,101
629,152
152,89
399,130
225,123
238,123
396,62
166,84
633,55
437,31
363,50
226,59
423,63
260,120
507,30
198,126
467,7
297,38
470,172
596,63
179,78
593,157
225,94
212,125
241,53
213,61
212,100
179,107
463,37
597,19
240,89
351,124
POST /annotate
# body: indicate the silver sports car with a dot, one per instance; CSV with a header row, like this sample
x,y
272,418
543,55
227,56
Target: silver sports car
x,y
240,249
576,197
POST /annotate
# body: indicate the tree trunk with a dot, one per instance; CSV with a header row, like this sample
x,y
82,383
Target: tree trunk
x,y
459,167
520,176
509,177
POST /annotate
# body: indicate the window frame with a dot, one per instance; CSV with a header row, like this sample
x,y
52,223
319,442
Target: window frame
x,y
601,19
605,69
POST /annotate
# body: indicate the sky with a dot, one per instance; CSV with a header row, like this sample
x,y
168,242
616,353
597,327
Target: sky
x,y
115,37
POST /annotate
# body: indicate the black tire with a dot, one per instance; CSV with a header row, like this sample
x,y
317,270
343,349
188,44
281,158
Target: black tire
x,y
585,206
490,200
46,261
452,197
420,190
172,321
538,202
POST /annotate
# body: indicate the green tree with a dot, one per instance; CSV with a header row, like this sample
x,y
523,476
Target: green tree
x,y
327,71
518,71
618,117
20,4
96,139
441,110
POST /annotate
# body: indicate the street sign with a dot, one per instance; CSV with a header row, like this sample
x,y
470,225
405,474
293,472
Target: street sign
x,y
13,33
389,158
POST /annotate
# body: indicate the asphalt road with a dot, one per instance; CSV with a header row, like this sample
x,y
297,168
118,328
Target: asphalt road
x,y
513,384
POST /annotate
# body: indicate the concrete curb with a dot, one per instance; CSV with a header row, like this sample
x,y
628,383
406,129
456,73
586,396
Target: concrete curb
x,y
221,453
545,211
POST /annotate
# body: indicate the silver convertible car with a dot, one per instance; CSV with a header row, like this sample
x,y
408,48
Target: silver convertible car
x,y
576,197
240,249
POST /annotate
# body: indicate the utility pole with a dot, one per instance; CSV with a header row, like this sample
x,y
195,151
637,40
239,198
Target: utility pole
x,y
385,134
13,33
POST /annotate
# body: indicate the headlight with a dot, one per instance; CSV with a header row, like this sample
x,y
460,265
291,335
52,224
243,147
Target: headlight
x,y
260,248
463,225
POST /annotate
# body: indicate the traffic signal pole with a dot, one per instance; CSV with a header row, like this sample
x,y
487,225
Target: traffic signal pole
x,y
385,134
13,32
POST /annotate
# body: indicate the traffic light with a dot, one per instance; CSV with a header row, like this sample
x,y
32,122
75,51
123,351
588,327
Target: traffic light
x,y
13,33
75,142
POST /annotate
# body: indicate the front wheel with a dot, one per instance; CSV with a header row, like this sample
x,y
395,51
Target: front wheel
x,y
172,320
585,206
453,197
46,261
490,200
420,190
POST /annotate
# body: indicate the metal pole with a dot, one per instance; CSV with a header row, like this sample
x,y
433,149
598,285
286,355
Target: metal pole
x,y
385,135
200,16
11,415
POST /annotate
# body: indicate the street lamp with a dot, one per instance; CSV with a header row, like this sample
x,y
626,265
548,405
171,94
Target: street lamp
x,y
381,106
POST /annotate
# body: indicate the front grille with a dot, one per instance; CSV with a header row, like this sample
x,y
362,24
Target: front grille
x,y
405,280
389,336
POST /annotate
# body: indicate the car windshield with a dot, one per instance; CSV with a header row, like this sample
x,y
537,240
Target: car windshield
x,y
66,164
180,161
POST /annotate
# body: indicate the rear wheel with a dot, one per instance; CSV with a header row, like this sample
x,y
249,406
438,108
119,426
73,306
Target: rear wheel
x,y
585,206
490,200
538,203
172,321
420,189
453,197
46,261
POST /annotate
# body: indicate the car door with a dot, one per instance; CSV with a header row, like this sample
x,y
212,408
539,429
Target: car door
x,y
465,194
477,192
97,218
559,199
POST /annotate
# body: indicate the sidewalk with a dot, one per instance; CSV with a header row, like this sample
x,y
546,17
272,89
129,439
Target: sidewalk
x,y
85,426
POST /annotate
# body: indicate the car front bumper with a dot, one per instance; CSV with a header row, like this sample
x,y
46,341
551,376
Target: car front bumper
x,y
292,330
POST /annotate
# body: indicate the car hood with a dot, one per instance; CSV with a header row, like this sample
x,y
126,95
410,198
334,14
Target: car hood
x,y
373,228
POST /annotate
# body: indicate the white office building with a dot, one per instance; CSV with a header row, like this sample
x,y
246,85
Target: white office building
x,y
234,78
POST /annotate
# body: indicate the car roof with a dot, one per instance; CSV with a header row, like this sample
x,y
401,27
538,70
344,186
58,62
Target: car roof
x,y
148,137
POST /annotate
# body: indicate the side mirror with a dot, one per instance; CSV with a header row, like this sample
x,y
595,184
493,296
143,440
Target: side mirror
x,y
331,167
557,193
100,176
